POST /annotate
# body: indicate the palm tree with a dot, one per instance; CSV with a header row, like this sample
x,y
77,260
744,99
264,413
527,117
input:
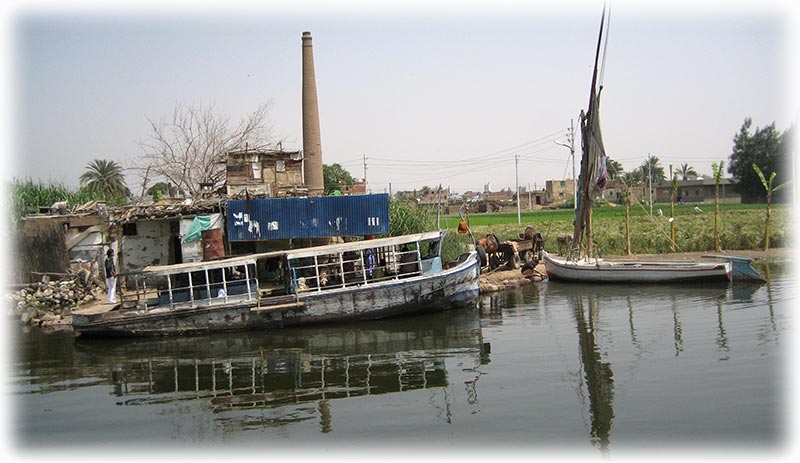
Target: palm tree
x,y
105,178
615,170
770,190
685,172
632,178
651,166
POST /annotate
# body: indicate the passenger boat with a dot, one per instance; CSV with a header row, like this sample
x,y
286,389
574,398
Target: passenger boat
x,y
344,282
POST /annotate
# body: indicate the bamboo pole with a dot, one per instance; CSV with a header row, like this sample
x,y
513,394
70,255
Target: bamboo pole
x,y
672,209
627,220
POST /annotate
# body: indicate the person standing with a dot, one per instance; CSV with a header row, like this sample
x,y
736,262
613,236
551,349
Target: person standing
x,y
111,277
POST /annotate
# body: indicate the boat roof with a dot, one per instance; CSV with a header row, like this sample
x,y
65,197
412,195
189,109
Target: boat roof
x,y
365,244
292,253
211,264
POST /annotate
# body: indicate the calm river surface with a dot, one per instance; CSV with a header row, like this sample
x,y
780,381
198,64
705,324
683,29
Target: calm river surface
x,y
551,366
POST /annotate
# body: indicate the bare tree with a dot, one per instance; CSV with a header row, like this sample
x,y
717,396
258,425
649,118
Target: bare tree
x,y
189,149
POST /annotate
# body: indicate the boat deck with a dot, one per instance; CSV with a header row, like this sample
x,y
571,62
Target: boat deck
x,y
95,307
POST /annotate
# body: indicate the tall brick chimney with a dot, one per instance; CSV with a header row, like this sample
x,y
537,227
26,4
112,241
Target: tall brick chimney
x,y
312,144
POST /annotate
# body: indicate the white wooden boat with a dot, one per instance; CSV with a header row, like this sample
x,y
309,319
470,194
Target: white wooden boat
x,y
635,271
334,283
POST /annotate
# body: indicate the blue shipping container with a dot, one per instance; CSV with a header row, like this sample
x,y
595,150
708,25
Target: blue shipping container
x,y
314,217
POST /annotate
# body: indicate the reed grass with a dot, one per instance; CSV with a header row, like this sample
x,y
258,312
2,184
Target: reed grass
x,y
26,196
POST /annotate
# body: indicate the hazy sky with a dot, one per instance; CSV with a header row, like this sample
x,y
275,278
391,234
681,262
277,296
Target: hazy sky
x,y
441,94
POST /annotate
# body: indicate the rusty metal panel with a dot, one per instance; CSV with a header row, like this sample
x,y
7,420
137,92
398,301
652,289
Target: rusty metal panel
x,y
312,217
213,247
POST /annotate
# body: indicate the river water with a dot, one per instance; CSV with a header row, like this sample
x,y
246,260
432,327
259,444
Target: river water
x,y
548,367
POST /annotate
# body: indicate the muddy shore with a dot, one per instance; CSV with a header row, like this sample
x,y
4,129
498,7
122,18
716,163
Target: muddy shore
x,y
500,279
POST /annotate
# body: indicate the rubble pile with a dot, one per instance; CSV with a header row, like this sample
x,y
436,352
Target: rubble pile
x,y
48,302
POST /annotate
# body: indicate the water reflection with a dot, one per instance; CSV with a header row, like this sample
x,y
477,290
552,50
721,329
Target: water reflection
x,y
675,306
597,373
292,367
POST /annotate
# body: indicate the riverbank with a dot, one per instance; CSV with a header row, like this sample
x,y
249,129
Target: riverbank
x,y
54,314
499,280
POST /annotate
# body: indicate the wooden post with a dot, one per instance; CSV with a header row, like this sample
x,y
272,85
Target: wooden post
x,y
208,286
717,171
363,267
191,289
589,244
341,269
672,209
627,220
120,263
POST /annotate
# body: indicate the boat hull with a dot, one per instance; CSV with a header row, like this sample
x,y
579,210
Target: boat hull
x,y
603,271
444,290
742,267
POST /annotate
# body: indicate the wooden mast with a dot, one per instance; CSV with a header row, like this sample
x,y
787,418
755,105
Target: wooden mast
x,y
583,219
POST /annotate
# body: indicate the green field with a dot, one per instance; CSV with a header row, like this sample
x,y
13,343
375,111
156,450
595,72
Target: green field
x,y
741,227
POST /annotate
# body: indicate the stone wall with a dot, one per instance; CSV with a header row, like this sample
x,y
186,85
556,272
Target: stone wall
x,y
40,247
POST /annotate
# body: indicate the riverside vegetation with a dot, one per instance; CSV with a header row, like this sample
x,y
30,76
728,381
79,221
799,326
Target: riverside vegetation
x,y
741,228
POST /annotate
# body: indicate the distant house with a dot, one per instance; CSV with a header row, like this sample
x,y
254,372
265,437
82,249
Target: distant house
x,y
534,198
266,173
615,190
359,187
502,195
557,191
471,196
700,190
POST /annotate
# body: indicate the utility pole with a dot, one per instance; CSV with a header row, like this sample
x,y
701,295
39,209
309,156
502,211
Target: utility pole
x,y
516,175
439,207
571,146
365,175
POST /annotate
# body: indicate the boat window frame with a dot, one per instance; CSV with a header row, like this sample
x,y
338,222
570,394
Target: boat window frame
x,y
193,288
394,260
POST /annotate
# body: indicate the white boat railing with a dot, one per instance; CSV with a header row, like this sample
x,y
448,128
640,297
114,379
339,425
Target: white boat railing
x,y
191,287
342,269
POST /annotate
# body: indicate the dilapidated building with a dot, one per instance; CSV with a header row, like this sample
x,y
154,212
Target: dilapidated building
x,y
264,173
155,234
52,243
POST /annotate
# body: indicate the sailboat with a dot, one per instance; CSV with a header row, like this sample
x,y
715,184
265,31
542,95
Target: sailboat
x,y
580,264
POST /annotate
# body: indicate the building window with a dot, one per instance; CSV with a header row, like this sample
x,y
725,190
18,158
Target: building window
x,y
563,184
129,229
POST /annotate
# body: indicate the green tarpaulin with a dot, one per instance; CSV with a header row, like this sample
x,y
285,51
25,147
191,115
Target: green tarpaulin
x,y
195,232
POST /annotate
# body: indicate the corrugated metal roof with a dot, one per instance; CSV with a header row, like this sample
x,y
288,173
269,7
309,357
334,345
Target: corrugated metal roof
x,y
312,217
